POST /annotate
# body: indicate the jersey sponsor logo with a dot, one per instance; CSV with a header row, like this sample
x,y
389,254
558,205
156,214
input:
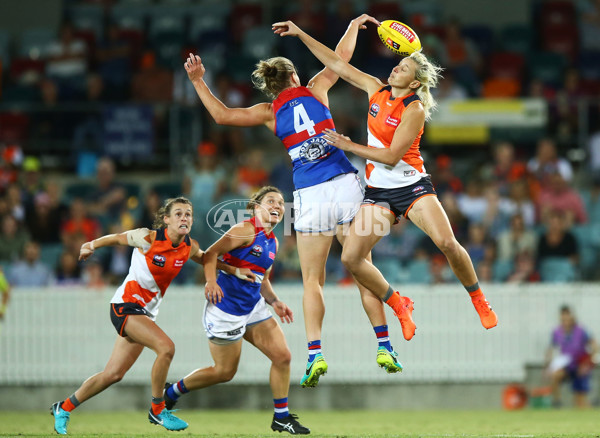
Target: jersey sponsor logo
x,y
178,263
418,189
374,110
315,148
256,251
271,255
410,172
159,260
392,121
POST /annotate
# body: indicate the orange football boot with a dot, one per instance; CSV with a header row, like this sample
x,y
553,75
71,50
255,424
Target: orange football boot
x,y
488,317
403,308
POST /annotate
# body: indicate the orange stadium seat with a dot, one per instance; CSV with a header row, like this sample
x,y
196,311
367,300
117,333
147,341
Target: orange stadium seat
x,y
501,88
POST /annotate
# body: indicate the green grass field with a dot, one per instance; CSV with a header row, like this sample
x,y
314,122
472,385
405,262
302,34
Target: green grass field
x,y
527,423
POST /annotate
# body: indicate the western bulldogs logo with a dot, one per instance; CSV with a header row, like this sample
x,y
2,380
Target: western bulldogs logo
x,y
374,110
315,148
418,189
159,261
256,251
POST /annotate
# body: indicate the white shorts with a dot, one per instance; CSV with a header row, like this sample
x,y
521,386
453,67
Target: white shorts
x,y
223,328
323,207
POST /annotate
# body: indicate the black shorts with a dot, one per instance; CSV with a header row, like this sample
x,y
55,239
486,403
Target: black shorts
x,y
399,200
119,312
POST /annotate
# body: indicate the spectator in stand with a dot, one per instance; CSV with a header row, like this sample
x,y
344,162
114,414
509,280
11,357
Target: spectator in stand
x,y
152,203
79,223
205,183
594,155
506,169
251,174
476,243
43,220
518,202
93,275
460,56
569,357
14,197
113,59
444,178
68,271
558,241
449,89
152,83
30,272
524,270
31,180
67,61
12,239
516,240
557,195
547,162
589,22
288,261
108,200
89,132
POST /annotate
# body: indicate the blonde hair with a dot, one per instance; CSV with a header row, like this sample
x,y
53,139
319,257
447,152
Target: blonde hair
x,y
273,75
165,210
428,74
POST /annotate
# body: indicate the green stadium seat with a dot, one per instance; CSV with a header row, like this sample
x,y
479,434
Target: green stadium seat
x,y
548,67
517,38
167,189
418,272
557,270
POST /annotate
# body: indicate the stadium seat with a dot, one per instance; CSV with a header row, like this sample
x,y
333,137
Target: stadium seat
x,y
418,272
501,88
502,269
563,40
78,190
22,66
4,48
240,67
166,19
548,67
427,10
517,38
506,65
13,127
384,10
557,270
244,17
129,16
589,65
50,254
554,13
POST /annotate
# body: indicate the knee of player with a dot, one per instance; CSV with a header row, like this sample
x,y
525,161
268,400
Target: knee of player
x,y
351,260
166,349
283,358
114,376
226,374
448,245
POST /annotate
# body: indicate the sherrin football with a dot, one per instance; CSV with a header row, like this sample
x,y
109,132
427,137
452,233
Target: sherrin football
x,y
398,37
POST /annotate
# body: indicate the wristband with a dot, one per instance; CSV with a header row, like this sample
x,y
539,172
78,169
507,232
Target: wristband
x,y
92,245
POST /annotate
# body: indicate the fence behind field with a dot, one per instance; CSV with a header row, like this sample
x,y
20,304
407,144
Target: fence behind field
x,y
62,336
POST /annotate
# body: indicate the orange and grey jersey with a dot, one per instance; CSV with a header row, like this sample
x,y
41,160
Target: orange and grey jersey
x,y
152,271
385,114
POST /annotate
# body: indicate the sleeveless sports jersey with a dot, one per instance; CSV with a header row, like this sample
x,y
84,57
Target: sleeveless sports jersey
x,y
385,114
299,123
240,296
151,273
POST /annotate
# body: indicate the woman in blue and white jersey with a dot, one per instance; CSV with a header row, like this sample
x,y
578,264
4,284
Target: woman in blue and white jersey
x,y
328,192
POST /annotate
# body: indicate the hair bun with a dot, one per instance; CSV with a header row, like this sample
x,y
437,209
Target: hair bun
x,y
270,71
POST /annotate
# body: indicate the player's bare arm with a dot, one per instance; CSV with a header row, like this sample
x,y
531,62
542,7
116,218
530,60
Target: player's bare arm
x,y
329,58
404,136
259,114
138,238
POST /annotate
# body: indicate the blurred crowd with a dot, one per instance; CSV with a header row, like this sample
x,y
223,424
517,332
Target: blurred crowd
x,y
526,211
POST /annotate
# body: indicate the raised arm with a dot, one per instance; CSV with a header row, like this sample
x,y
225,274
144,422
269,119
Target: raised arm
x,y
138,238
260,114
404,136
329,58
326,78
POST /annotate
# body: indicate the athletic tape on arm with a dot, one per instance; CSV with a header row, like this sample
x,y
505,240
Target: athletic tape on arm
x,y
137,238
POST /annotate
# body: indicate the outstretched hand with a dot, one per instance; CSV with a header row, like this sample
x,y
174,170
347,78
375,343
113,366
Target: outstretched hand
x,y
283,311
194,67
363,19
86,251
286,28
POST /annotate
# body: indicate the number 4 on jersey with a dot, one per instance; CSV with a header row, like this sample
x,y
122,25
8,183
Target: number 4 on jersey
x,y
301,120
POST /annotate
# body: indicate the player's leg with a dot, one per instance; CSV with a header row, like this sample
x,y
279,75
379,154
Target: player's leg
x,y
370,224
144,331
428,214
556,379
268,337
581,388
125,353
387,358
313,249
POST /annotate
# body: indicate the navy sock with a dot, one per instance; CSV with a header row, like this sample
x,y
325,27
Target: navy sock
x,y
383,337
281,407
314,347
176,390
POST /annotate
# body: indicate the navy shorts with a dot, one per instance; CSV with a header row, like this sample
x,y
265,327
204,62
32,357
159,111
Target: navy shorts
x,y
579,383
119,312
399,200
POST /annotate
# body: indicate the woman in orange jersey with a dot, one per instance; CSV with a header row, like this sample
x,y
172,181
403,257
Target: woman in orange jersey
x,y
397,182
159,255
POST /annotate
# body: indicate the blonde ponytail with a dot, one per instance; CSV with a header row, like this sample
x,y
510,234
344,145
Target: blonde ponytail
x,y
428,74
273,75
